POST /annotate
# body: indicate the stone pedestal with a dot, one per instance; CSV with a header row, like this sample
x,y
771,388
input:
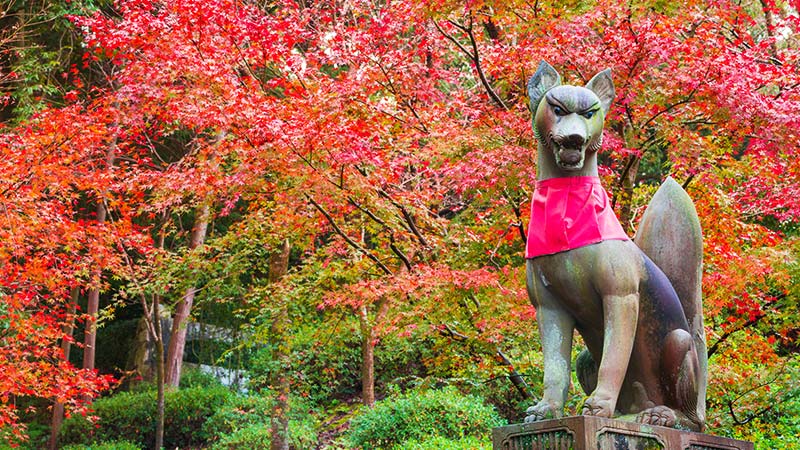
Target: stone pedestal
x,y
595,433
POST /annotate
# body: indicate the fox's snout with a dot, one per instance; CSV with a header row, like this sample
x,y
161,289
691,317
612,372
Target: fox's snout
x,y
573,140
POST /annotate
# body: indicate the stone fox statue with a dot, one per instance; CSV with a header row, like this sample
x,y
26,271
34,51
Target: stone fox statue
x,y
637,305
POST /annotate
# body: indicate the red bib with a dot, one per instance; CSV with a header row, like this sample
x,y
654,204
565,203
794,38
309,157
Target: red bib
x,y
568,213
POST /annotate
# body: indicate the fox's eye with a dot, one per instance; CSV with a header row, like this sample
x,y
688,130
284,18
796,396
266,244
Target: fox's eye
x,y
559,111
589,114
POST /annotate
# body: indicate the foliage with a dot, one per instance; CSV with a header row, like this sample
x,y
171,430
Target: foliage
x,y
195,378
420,415
112,445
325,366
255,436
439,442
238,413
122,332
130,416
780,434
36,437
246,417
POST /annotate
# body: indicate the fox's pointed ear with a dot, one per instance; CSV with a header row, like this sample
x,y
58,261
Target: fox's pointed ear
x,y
602,85
542,81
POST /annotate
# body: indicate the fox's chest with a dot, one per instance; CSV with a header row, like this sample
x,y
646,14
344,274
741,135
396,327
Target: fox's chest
x,y
578,278
569,278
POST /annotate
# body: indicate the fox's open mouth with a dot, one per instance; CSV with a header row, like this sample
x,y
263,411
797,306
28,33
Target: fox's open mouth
x,y
569,158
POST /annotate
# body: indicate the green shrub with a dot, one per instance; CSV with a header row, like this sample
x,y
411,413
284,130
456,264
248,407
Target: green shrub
x,y
255,437
443,443
132,417
194,377
421,415
111,445
228,423
303,431
238,413
191,377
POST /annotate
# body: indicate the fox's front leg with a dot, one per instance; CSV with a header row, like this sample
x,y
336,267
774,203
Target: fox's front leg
x,y
620,316
555,331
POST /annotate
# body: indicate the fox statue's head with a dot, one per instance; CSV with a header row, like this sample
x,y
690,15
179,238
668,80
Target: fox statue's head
x,y
568,120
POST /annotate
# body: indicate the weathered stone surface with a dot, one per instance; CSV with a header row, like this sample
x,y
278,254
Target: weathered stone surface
x,y
597,433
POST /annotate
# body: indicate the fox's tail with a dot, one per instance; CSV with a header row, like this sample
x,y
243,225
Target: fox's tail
x,y
670,235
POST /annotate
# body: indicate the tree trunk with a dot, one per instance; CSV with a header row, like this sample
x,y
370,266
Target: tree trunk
x,y
92,307
58,407
278,266
93,300
159,343
177,340
367,359
90,336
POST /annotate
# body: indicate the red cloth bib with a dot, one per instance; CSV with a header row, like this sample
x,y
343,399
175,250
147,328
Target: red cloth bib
x,y
568,213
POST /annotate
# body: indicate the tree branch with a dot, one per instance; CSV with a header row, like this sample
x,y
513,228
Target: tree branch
x,y
403,101
453,333
474,56
724,337
669,108
406,215
379,221
518,214
516,379
753,415
369,213
399,253
347,238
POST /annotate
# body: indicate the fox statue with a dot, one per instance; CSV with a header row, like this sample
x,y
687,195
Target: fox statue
x,y
637,304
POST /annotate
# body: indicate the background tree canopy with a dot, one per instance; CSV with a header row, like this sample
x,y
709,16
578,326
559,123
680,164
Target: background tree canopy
x,y
344,186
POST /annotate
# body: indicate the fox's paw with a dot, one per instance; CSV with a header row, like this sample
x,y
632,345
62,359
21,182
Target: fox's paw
x,y
598,406
542,411
658,415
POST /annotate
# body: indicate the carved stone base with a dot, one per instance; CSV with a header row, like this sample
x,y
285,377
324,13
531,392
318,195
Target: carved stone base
x,y
595,433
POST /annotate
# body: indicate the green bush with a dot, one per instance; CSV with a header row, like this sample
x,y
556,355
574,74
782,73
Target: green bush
x,y
112,445
252,413
194,377
191,377
238,413
132,417
420,415
443,443
255,437
303,431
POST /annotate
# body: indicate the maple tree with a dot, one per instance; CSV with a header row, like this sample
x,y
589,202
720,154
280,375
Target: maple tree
x,y
48,245
390,144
